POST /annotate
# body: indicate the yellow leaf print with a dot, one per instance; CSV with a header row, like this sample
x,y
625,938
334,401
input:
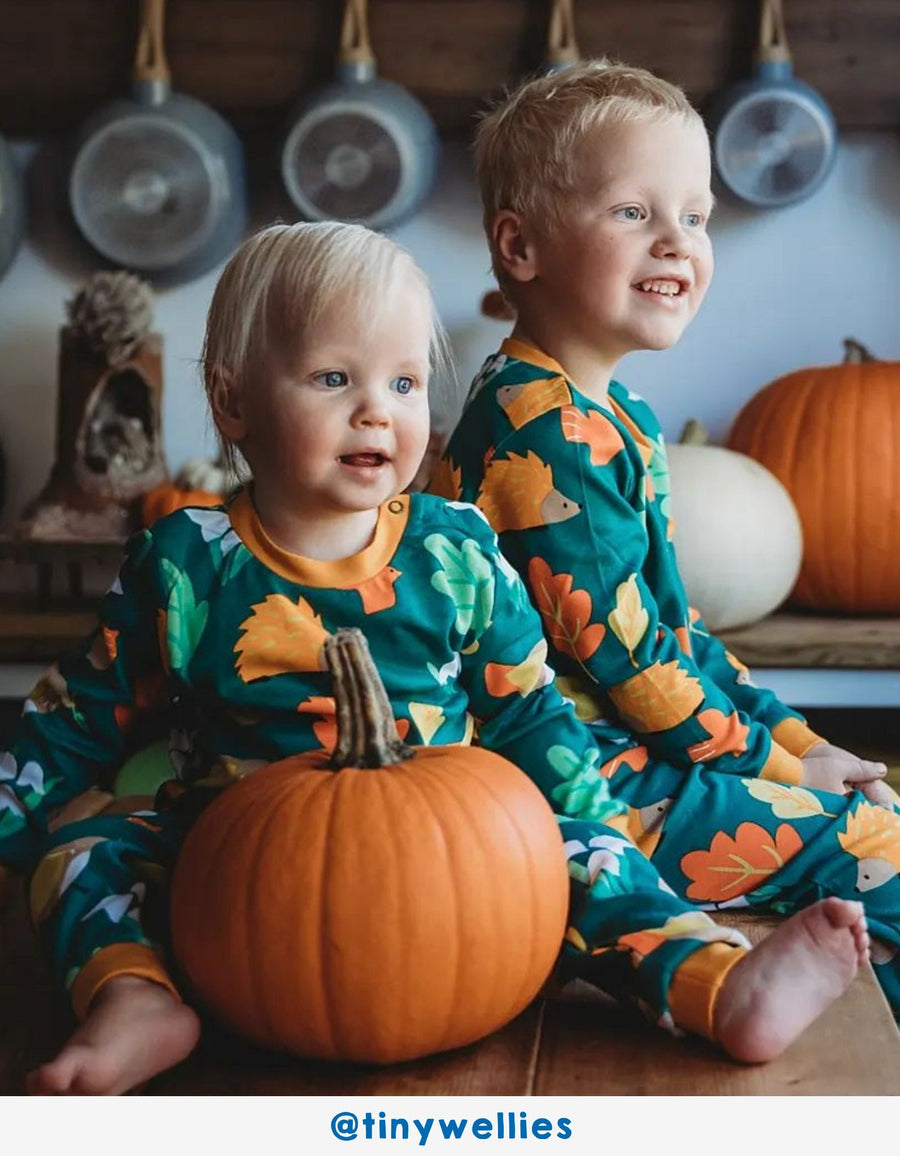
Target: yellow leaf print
x,y
660,697
56,872
428,719
502,679
280,637
786,802
468,733
628,619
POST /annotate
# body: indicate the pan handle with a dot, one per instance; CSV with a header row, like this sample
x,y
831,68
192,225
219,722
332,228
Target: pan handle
x,y
773,45
562,47
152,78
356,61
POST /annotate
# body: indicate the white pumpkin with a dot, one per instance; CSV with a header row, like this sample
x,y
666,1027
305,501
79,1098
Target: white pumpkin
x,y
737,534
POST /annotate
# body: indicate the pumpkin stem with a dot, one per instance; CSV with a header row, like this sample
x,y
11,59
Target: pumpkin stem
x,y
694,433
366,732
855,353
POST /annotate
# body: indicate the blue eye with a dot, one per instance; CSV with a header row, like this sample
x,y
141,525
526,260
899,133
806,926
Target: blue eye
x,y
333,378
693,220
403,384
630,213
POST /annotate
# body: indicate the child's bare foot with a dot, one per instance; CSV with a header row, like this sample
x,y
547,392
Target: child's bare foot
x,y
134,1030
781,986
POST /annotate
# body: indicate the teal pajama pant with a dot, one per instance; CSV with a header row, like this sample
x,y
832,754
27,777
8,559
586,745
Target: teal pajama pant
x,y
695,841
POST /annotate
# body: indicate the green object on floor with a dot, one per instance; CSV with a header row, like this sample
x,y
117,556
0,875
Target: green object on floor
x,y
145,771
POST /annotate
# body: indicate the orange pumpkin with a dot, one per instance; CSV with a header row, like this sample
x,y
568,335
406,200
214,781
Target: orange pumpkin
x,y
387,904
167,498
831,436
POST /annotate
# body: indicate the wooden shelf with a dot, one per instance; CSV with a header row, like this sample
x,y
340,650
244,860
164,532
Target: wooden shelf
x,y
801,641
59,59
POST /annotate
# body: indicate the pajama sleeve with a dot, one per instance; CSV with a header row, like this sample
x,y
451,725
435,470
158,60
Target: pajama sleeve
x,y
73,733
570,504
788,727
520,714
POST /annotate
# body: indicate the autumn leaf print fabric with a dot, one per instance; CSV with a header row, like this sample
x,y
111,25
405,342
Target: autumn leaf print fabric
x,y
221,634
579,494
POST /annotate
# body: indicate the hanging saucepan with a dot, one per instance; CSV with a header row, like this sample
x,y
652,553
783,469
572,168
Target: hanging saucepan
x,y
157,182
12,208
774,137
562,48
361,149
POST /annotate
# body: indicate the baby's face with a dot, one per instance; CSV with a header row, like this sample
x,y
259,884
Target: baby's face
x,y
630,262
346,427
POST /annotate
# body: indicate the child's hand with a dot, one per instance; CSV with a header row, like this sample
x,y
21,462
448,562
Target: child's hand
x,y
879,792
830,768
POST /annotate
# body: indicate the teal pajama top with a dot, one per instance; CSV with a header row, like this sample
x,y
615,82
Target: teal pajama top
x,y
212,625
579,495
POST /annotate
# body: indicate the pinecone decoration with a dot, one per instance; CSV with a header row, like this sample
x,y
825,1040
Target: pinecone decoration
x,y
113,313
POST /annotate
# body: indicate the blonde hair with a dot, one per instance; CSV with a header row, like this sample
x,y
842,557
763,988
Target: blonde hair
x,y
527,147
273,290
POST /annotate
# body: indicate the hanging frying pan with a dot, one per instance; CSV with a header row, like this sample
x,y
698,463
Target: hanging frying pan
x,y
157,182
562,48
562,52
774,137
361,149
12,208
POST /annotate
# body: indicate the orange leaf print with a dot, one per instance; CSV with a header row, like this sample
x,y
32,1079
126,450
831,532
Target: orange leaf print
x,y
594,430
727,735
736,866
280,637
325,728
634,757
566,612
149,694
683,634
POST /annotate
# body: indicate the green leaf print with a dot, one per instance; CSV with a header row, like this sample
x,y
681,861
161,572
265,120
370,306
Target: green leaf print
x,y
186,619
658,470
467,577
584,794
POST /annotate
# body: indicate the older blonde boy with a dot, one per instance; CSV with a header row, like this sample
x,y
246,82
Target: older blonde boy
x,y
595,184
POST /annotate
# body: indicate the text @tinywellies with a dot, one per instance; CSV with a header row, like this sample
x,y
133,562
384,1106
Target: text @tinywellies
x,y
502,1126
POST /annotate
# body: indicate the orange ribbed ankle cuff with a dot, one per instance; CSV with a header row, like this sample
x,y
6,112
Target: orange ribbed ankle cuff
x,y
697,984
110,962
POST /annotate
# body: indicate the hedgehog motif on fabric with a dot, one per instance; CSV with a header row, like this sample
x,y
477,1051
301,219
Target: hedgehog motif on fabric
x,y
523,403
873,837
518,494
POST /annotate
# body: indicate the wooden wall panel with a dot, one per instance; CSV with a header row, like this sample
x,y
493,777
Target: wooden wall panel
x,y
251,58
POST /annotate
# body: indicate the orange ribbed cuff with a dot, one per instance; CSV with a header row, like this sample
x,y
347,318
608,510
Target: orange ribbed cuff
x,y
795,736
782,766
697,983
110,962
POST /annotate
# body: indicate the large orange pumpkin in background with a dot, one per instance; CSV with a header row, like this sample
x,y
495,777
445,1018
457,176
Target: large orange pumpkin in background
x,y
831,435
411,901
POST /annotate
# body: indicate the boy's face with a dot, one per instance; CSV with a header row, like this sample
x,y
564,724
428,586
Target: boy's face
x,y
346,427
630,261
